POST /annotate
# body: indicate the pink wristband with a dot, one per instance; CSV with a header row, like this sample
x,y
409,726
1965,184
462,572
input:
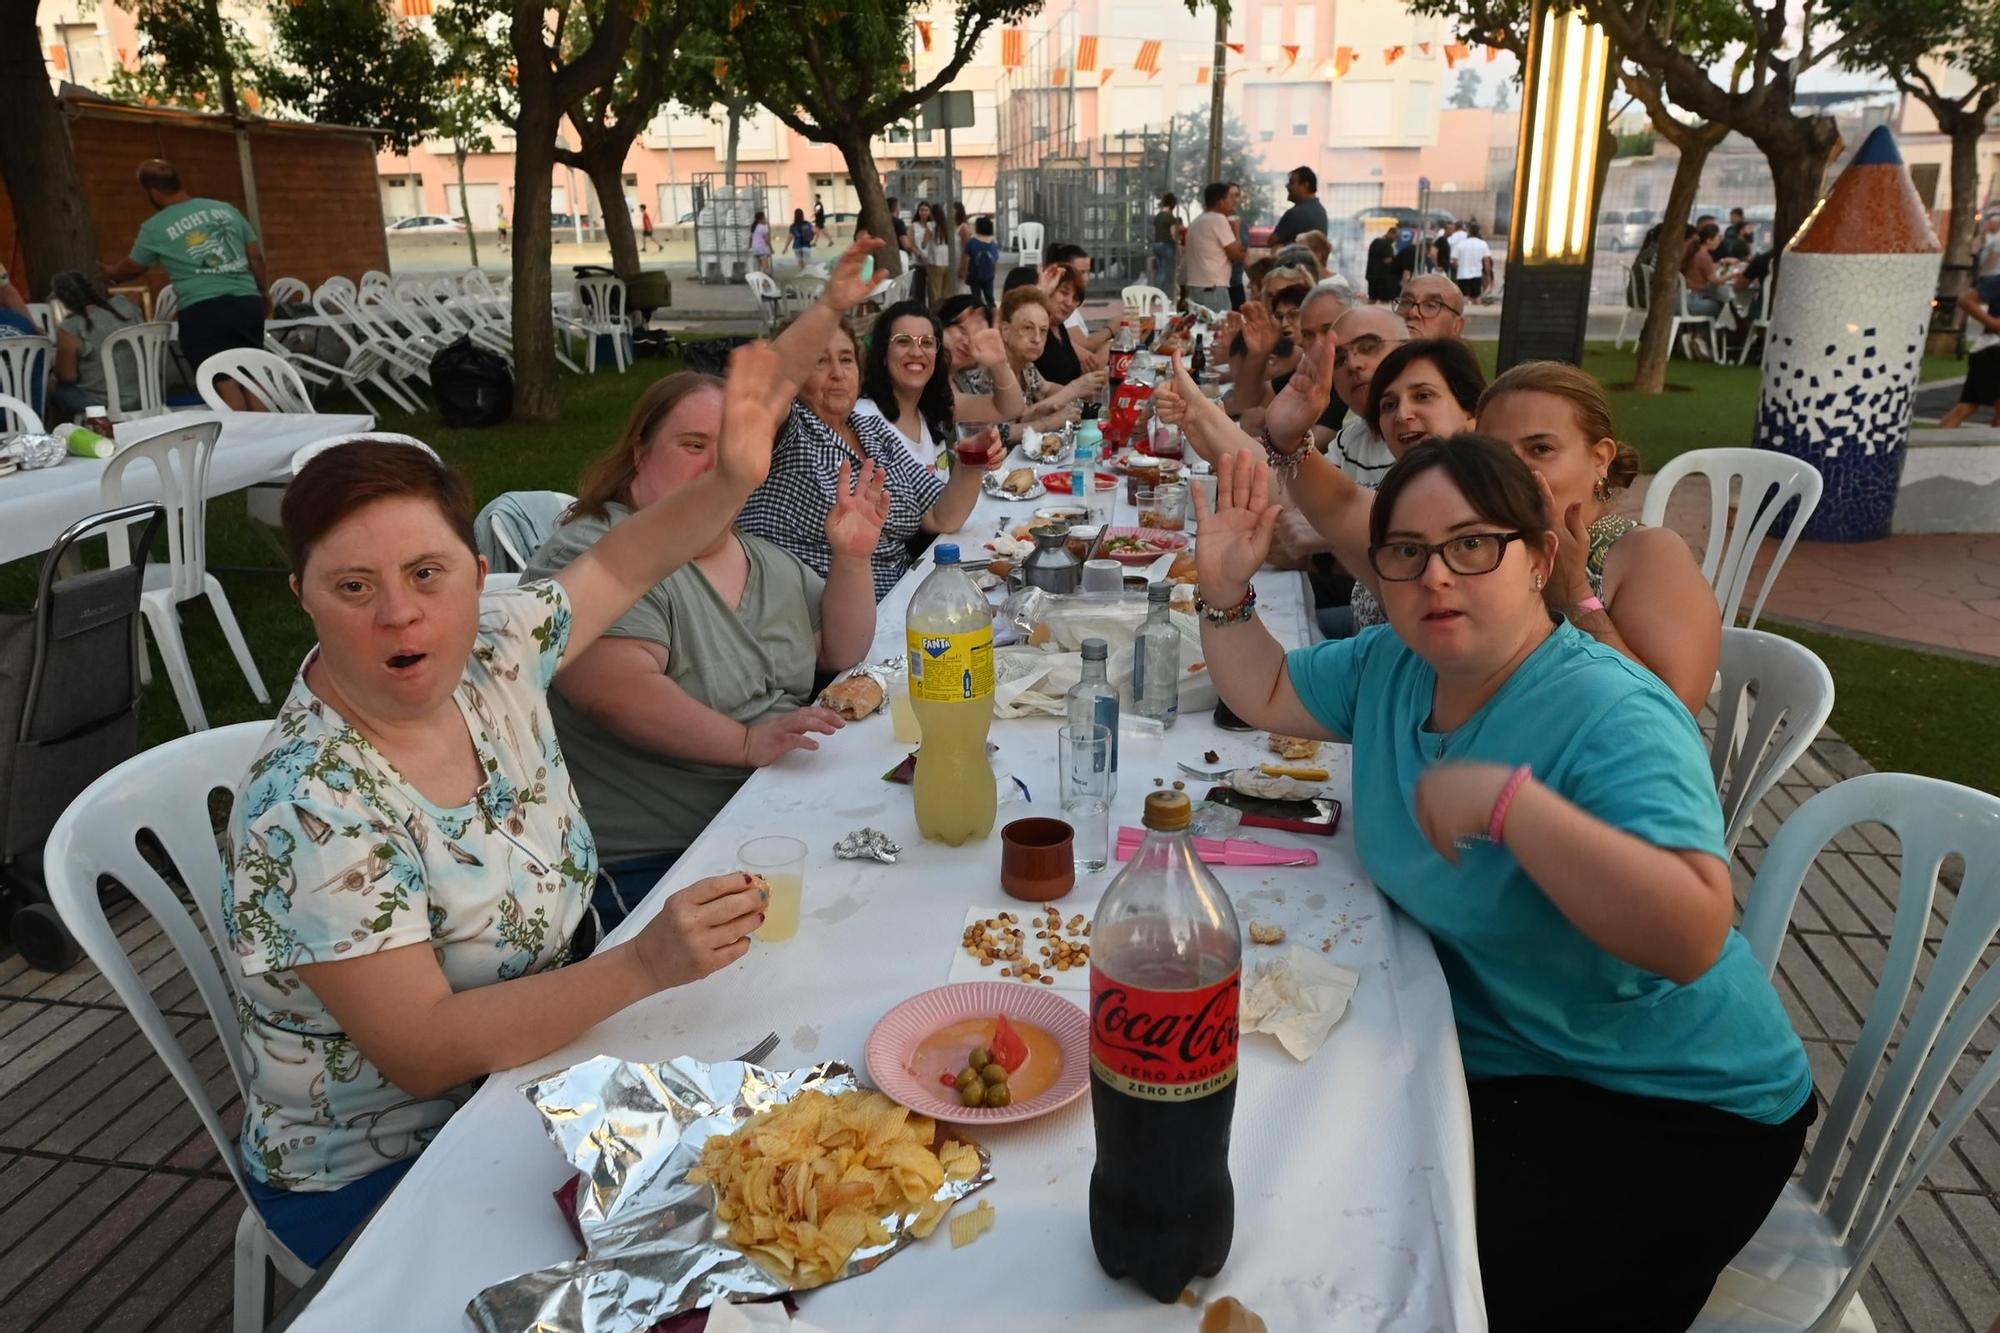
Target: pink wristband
x,y
1591,603
1496,825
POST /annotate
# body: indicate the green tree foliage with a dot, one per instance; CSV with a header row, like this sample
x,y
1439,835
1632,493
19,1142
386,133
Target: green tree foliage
x,y
189,55
1190,165
1465,95
350,62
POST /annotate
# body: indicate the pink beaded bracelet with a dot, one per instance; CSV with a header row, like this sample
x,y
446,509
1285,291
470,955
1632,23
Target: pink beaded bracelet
x,y
1496,825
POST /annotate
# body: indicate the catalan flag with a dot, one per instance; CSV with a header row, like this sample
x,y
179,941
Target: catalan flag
x,y
1148,59
1086,53
1013,48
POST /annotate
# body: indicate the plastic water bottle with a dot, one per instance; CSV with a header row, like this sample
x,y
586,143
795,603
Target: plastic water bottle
x,y
1083,470
1094,699
949,629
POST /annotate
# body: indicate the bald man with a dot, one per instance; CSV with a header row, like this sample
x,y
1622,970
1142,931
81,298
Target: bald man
x,y
1433,307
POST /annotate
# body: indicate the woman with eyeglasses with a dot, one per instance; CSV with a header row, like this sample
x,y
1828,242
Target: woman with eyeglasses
x,y
409,868
1025,317
1542,807
826,434
906,382
972,343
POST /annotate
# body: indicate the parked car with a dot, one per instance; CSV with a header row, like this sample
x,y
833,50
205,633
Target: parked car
x,y
425,224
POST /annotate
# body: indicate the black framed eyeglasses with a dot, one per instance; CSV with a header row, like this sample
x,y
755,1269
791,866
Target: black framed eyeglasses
x,y
1468,553
1432,306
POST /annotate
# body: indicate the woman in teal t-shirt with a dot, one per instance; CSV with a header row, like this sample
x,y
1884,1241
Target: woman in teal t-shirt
x,y
1542,806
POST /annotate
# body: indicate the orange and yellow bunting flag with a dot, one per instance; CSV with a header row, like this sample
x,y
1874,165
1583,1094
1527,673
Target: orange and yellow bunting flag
x,y
1086,53
1343,60
1390,55
1148,59
1454,53
1013,48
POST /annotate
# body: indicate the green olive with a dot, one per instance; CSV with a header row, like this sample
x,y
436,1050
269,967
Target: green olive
x,y
974,1094
997,1095
994,1073
967,1078
980,1057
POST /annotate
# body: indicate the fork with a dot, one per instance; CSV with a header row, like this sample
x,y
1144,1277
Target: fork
x,y
760,1050
1204,774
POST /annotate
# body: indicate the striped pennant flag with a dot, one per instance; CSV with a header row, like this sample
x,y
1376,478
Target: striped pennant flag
x,y
1148,59
1013,48
1086,53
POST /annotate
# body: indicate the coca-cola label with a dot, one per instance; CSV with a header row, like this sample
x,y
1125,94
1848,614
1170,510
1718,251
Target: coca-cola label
x,y
1164,1045
1119,363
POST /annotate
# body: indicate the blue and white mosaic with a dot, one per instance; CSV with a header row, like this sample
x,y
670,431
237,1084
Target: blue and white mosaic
x,y
1847,340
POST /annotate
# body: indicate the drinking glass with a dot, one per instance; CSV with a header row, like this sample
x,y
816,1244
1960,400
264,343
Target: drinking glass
x,y
1083,769
967,450
1163,506
781,861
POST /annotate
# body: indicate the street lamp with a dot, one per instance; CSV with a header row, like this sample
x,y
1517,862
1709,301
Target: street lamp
x,y
1550,241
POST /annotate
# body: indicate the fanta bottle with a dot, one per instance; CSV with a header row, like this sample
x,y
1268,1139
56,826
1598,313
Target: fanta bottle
x,y
950,633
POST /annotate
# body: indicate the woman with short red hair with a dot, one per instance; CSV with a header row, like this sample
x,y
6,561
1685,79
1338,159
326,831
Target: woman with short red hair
x,y
409,869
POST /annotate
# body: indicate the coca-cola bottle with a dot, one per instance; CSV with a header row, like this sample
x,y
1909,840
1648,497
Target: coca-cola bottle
x,y
1166,964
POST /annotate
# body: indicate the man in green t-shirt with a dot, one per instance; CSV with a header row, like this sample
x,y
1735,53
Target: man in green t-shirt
x,y
212,256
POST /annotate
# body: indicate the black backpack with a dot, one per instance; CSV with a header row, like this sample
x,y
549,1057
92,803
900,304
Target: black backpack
x,y
474,386
979,262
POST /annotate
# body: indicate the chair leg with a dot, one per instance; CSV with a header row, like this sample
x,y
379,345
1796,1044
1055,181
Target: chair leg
x,y
233,632
252,1277
1618,342
165,621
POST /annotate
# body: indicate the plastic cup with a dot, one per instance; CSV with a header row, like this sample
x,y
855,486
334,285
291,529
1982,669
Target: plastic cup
x,y
1103,576
781,862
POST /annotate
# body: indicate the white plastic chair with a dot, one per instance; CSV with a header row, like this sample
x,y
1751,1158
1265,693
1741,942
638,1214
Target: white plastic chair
x,y
518,541
25,367
1766,482
285,291
1793,690
496,582
337,286
166,304
263,375
1141,301
17,415
600,312
44,316
143,347
1028,244
166,791
374,280
1638,296
1808,1260
1760,327
181,457
371,357
1687,324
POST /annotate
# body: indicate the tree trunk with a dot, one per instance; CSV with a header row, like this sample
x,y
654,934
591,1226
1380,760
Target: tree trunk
x,y
536,399
1798,149
1965,130
225,77
729,149
1650,374
464,204
872,199
37,162
607,177
1215,81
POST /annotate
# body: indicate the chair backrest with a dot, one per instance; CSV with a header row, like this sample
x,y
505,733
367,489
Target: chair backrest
x,y
374,280
1141,301
17,415
763,284
1765,291
181,457
43,315
1028,243
1769,685
305,453
25,364
285,290
1932,820
508,519
164,791
604,294
264,376
1766,482
143,349
1639,288
166,304
335,286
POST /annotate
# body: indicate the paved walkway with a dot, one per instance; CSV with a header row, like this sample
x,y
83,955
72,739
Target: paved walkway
x,y
115,1212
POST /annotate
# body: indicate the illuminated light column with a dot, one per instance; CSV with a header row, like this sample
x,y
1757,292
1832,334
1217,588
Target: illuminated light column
x,y
1550,241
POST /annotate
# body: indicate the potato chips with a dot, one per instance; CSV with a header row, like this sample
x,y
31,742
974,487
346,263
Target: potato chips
x,y
804,1185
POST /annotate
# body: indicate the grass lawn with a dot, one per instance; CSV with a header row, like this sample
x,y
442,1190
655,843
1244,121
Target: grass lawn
x,y
1904,710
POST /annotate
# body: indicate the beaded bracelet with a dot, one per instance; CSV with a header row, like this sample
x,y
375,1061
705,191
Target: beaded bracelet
x,y
1281,463
1238,614
1496,824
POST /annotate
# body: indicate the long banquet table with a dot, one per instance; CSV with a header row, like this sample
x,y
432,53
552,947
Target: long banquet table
x,y
35,507
1353,1171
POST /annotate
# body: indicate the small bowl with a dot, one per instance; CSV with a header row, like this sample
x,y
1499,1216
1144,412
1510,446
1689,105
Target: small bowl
x,y
1037,859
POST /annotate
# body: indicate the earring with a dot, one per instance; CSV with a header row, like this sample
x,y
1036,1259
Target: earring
x,y
1538,583
1602,490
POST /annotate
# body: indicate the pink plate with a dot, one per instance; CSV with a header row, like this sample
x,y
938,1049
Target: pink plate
x,y
1061,482
1158,542
892,1047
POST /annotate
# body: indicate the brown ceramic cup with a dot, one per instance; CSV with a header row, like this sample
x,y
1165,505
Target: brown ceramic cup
x,y
1036,862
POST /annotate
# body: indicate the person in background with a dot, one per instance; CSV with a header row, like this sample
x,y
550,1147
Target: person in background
x,y
919,238
937,254
1986,257
1384,282
823,436
500,221
1447,233
1543,807
803,235
1433,306
1067,257
1167,235
903,257
1735,243
1306,214
709,676
1061,360
15,317
1319,247
1698,270
974,344
760,242
1472,262
1212,247
215,262
1980,304
646,229
980,261
91,317
906,380
819,214
1026,316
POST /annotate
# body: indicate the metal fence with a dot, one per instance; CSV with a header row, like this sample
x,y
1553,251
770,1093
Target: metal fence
x,y
723,215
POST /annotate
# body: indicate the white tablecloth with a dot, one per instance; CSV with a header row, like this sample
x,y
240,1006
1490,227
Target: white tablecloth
x,y
1353,1171
36,506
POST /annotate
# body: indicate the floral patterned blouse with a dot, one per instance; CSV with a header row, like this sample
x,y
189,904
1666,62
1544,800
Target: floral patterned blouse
x,y
332,854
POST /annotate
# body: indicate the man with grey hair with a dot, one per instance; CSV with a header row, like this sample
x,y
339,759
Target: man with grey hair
x,y
1433,307
1986,257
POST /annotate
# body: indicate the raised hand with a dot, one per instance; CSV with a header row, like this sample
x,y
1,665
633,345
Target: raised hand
x,y
854,524
756,397
1570,582
1260,331
1303,402
1455,803
846,288
1174,399
771,740
1233,540
988,349
704,927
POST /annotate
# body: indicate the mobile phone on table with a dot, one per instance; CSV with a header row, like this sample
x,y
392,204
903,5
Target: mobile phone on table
x,y
1320,815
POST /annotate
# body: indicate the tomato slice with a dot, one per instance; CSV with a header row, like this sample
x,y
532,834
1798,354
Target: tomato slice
x,y
1008,1048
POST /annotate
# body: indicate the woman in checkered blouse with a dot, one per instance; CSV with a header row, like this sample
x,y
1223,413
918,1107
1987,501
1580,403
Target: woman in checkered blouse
x,y
823,432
